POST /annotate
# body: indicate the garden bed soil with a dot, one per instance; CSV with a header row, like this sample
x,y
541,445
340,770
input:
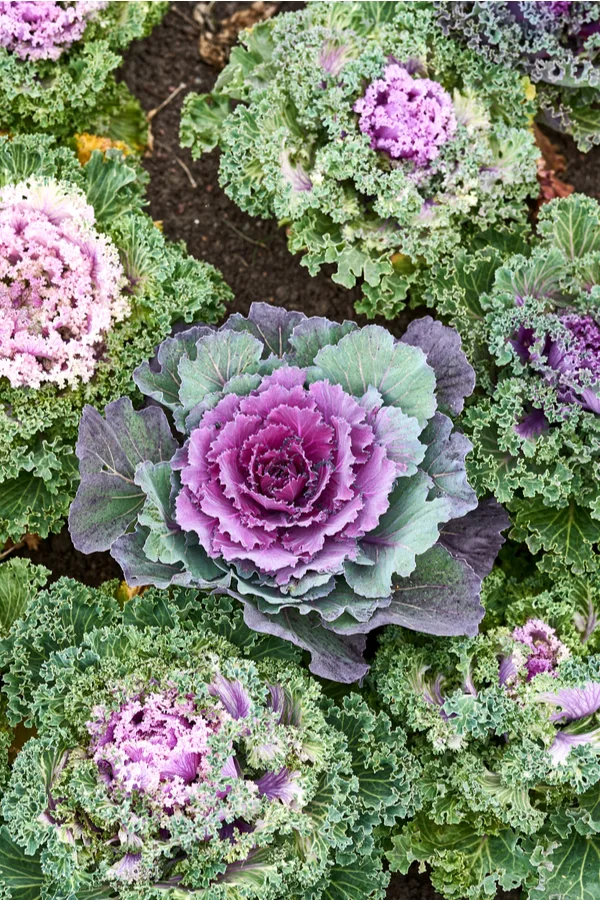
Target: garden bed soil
x,y
251,253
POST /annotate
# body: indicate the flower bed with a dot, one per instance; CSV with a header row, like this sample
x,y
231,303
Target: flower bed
x,y
294,499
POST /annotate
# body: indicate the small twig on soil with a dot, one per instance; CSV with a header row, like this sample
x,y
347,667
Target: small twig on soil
x,y
191,179
154,112
244,236
12,549
186,18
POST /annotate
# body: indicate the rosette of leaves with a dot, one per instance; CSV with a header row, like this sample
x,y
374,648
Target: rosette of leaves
x,y
57,62
378,143
89,286
178,752
535,423
308,468
555,44
568,603
506,729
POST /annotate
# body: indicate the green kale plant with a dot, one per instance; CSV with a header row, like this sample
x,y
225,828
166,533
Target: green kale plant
x,y
379,144
88,287
178,753
57,62
555,44
506,728
530,318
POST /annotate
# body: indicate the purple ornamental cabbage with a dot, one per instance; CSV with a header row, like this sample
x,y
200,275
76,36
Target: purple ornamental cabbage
x,y
316,477
43,30
407,118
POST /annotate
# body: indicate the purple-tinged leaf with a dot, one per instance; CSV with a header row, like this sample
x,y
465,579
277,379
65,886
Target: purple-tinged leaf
x,y
160,377
455,378
477,537
272,325
109,450
232,695
280,785
131,552
332,656
534,424
139,570
441,597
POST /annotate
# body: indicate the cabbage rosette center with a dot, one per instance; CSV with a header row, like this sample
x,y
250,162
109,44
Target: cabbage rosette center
x,y
317,478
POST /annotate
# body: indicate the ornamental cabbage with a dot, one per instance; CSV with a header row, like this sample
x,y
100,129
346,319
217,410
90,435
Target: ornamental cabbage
x,y
536,423
57,61
509,758
315,476
554,44
88,287
381,145
44,30
61,285
177,752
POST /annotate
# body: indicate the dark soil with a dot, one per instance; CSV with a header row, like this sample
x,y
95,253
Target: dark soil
x,y
251,253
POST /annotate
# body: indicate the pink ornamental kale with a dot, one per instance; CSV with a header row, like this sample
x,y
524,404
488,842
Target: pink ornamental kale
x,y
408,118
43,29
182,756
60,285
546,650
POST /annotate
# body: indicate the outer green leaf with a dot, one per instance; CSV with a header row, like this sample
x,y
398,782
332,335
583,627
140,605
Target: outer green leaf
x,y
573,225
445,463
21,874
160,379
569,531
371,358
219,358
405,531
571,871
360,880
202,117
19,582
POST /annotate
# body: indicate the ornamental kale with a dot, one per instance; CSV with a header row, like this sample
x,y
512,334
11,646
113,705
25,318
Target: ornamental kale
x,y
57,61
555,44
536,425
175,751
381,145
44,30
61,285
509,760
316,477
408,118
88,287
